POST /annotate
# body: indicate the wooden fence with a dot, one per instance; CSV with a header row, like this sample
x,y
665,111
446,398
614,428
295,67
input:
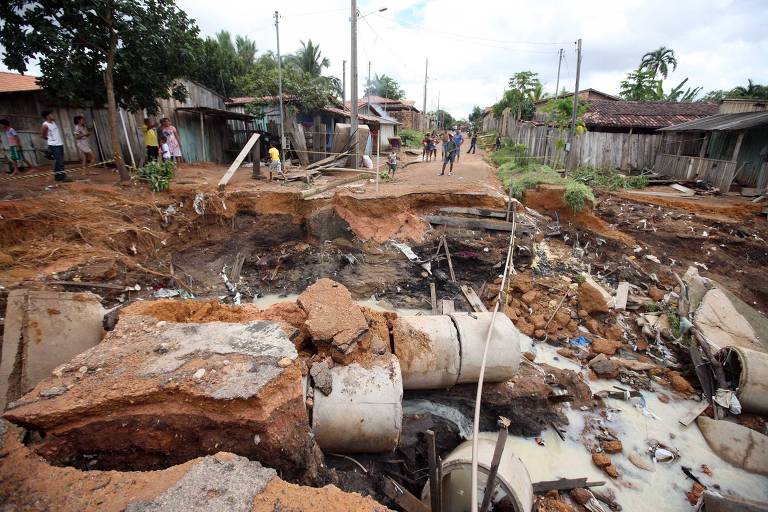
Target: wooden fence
x,y
622,151
720,173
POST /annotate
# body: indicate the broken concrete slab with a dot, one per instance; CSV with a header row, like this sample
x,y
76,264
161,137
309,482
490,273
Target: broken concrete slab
x,y
721,324
220,482
741,446
142,378
332,316
44,329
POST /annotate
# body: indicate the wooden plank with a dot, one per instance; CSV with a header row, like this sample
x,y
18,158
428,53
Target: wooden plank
x,y
474,301
563,484
694,413
683,189
450,262
433,297
480,212
435,492
88,284
402,497
446,307
239,160
622,292
462,222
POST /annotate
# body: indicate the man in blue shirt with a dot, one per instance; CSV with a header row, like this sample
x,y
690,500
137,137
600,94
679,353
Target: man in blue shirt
x,y
449,153
458,139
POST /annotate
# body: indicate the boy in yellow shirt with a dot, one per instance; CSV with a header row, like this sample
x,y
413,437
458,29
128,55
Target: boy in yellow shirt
x,y
274,160
150,140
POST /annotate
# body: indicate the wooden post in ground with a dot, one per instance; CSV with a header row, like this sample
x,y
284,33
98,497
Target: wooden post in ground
x,y
490,486
435,491
239,160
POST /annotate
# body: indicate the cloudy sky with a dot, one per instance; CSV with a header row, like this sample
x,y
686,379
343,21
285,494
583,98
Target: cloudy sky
x,y
473,46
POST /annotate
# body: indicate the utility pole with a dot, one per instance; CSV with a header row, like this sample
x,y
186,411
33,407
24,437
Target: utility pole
x,y
368,86
559,62
575,99
280,89
426,69
353,83
344,82
439,113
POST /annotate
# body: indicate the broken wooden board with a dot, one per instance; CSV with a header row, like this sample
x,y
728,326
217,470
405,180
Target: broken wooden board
x,y
446,307
238,161
480,212
462,222
694,413
563,484
683,189
622,292
474,301
402,497
296,133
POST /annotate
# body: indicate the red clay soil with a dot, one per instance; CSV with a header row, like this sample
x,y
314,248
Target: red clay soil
x,y
549,198
718,208
284,496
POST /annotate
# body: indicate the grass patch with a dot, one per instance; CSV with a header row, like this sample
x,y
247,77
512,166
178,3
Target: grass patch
x,y
528,177
607,179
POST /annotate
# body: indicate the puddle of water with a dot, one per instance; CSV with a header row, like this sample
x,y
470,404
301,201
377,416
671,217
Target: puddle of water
x,y
636,489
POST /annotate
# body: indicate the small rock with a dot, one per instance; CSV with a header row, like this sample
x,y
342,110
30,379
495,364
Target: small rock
x,y
663,398
199,373
322,377
55,391
529,356
611,471
539,333
679,383
539,321
525,327
83,369
582,314
640,462
606,369
611,446
655,293
567,352
59,370
284,362
601,460
695,492
607,347
161,323
529,297
581,496
593,298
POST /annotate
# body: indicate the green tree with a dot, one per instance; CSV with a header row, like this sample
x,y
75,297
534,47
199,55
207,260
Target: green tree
x,y
751,91
517,102
678,94
476,115
560,112
640,86
308,59
658,61
113,52
219,62
715,96
444,119
524,81
384,86
536,93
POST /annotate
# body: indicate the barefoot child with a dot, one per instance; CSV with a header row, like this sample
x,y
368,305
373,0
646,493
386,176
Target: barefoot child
x,y
392,162
14,149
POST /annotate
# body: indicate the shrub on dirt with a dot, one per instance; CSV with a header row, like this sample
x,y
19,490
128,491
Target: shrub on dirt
x,y
611,180
411,138
158,175
577,194
528,177
511,154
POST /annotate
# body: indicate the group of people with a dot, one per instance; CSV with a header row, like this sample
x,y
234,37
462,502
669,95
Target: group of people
x,y
451,148
163,143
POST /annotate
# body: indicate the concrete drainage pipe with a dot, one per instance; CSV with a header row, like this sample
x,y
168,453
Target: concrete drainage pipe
x,y
747,372
437,352
364,411
514,490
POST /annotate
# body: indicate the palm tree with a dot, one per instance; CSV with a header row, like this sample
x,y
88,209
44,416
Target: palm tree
x,y
658,60
752,91
309,59
537,92
246,50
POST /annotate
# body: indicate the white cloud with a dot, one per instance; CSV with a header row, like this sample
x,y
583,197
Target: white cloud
x,y
474,46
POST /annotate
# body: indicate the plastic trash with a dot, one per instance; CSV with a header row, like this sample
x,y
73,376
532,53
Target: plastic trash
x,y
662,455
580,341
199,203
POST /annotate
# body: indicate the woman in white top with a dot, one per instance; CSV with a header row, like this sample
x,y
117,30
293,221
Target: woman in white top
x,y
82,136
50,132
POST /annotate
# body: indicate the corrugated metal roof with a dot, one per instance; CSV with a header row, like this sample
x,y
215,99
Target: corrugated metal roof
x,y
644,114
723,122
14,82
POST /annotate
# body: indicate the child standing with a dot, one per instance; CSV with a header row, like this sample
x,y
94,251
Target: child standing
x,y
392,162
165,149
15,154
150,140
81,141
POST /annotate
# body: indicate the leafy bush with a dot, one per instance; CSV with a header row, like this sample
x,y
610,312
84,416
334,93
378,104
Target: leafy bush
x,y
384,175
577,194
511,153
610,180
411,138
528,177
158,175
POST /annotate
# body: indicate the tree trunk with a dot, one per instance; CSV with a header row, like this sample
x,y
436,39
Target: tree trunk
x,y
112,107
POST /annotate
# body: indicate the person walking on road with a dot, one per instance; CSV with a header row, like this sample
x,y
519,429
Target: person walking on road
x,y
449,153
51,134
458,139
472,143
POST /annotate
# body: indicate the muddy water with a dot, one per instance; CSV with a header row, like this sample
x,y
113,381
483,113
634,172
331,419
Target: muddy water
x,y
636,489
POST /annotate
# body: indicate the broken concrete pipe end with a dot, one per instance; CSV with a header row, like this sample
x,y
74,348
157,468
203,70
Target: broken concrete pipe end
x,y
439,351
514,490
747,372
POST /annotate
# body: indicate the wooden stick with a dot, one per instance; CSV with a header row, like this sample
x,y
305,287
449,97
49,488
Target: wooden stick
x,y
450,263
433,295
490,485
239,160
402,497
434,482
563,484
